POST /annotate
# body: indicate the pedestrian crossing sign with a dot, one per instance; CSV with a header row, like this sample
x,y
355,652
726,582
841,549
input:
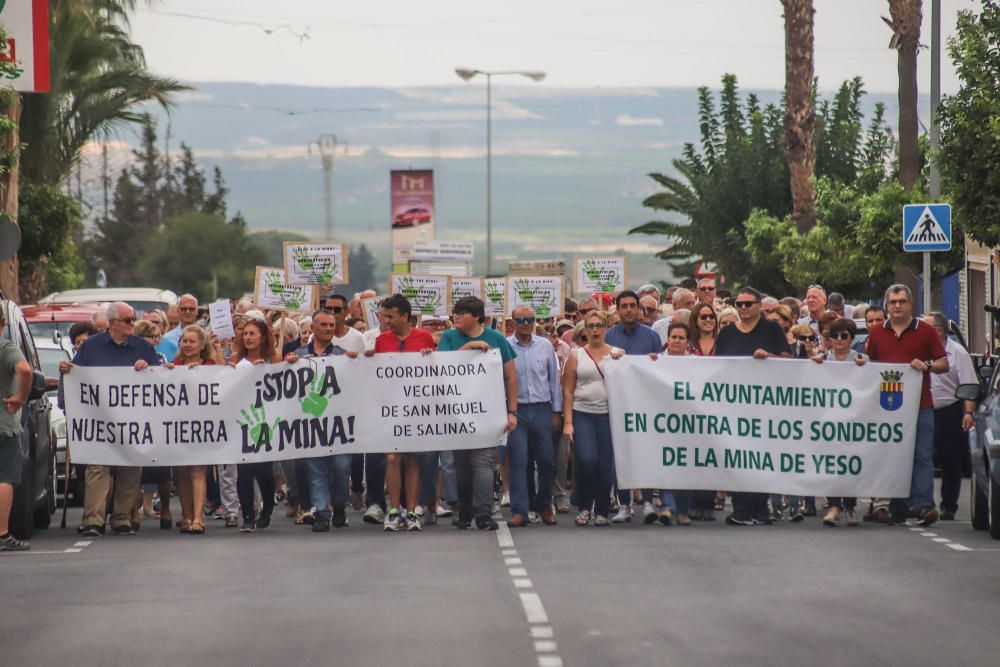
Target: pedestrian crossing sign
x,y
926,227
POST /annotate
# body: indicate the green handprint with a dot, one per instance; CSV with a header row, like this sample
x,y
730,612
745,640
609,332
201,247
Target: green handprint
x,y
524,291
303,258
408,289
256,421
592,270
544,307
293,300
275,282
431,304
315,402
610,283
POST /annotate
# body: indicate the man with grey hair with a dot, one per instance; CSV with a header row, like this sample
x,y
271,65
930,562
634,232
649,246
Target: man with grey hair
x,y
816,305
243,305
649,289
118,346
187,306
836,303
682,299
903,339
706,291
100,321
649,309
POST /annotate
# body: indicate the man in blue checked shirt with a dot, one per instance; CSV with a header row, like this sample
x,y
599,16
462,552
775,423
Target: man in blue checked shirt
x,y
539,412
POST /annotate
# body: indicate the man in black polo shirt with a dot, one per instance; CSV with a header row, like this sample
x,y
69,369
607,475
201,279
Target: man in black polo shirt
x,y
115,347
752,336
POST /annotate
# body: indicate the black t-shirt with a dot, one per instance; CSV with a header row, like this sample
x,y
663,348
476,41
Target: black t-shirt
x,y
767,335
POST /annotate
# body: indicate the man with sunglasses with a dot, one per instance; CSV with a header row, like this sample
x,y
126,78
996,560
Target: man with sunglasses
x,y
904,339
118,346
706,291
757,337
539,410
649,309
402,337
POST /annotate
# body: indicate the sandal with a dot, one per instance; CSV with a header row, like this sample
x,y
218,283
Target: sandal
x,y
583,518
299,518
197,528
601,520
184,526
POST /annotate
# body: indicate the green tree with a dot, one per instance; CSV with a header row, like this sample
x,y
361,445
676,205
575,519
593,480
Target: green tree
x,y
970,125
49,259
270,243
361,263
193,248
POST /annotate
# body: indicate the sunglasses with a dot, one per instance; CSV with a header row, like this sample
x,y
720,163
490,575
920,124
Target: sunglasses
x,y
706,318
745,304
843,335
594,326
806,339
706,289
524,320
126,320
336,310
649,311
188,309
816,286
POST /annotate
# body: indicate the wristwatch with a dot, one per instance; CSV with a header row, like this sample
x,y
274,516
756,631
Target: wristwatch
x,y
929,363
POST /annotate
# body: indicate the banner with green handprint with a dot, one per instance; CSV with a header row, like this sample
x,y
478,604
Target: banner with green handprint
x,y
599,274
495,296
544,294
370,309
273,412
463,286
273,292
316,263
428,295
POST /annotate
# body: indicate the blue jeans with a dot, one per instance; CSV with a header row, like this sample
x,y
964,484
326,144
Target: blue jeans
x,y
534,433
328,477
922,482
429,477
593,461
676,501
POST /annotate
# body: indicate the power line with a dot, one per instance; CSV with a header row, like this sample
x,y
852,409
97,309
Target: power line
x,y
302,34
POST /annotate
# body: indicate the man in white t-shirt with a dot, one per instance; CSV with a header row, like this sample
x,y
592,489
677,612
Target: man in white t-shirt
x,y
347,338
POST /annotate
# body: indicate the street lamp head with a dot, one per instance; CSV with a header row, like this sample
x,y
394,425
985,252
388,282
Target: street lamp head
x,y
534,76
465,73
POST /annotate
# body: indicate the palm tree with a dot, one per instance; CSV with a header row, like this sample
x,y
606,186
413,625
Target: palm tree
x,y
800,115
905,24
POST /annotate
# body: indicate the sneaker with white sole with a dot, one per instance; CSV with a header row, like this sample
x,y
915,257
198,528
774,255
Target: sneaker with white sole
x,y
412,522
373,514
419,510
11,543
444,510
393,520
533,517
624,514
649,513
505,499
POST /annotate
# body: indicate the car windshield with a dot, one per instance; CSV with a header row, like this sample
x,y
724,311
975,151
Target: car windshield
x,y
50,358
143,307
44,330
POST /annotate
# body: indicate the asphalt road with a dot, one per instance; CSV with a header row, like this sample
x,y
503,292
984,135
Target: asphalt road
x,y
708,594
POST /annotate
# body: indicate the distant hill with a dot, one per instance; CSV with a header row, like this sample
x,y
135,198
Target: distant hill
x,y
569,165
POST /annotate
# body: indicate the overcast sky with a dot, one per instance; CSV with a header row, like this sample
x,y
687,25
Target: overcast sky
x,y
578,43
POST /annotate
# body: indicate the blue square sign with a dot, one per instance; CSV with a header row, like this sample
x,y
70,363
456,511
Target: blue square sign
x,y
926,227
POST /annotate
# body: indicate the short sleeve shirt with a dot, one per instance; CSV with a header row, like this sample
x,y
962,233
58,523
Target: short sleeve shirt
x,y
640,339
767,336
918,341
102,350
453,339
10,356
417,340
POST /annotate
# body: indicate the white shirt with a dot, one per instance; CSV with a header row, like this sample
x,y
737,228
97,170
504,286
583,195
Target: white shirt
x,y
960,371
660,326
353,341
369,338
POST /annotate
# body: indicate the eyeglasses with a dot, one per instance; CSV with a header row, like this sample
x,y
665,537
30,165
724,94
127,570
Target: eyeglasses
x,y
188,309
726,323
843,335
816,286
706,318
336,310
128,321
649,311
806,339
706,289
898,302
745,304
153,336
594,326
524,320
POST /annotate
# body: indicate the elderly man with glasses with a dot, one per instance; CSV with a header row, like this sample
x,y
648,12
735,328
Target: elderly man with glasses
x,y
706,291
118,346
187,307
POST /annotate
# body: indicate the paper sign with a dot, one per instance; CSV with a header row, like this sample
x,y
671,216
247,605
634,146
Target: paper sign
x,y
545,294
316,263
495,296
599,274
272,292
428,295
370,308
461,286
221,318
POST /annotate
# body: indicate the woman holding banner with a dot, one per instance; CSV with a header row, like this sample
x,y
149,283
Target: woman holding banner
x,y
195,349
258,348
586,422
704,327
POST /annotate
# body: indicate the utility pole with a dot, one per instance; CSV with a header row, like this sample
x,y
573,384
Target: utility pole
x,y
935,174
327,146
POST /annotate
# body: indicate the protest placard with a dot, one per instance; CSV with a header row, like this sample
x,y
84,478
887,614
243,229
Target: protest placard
x,y
221,319
370,308
495,296
462,286
428,295
599,274
316,263
272,292
544,294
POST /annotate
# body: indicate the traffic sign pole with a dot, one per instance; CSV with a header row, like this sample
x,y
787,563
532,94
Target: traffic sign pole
x,y
927,283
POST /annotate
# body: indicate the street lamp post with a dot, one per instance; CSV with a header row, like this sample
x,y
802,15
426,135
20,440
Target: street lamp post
x,y
465,74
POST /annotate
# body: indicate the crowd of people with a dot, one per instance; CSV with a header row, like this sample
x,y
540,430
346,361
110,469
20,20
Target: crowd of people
x,y
559,450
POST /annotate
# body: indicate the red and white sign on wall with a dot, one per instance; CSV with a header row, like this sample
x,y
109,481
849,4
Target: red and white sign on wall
x,y
27,25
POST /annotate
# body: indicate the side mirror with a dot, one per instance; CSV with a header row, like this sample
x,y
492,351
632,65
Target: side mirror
x,y
968,392
37,386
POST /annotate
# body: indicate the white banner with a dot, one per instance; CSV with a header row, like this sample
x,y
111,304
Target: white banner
x,y
331,405
777,425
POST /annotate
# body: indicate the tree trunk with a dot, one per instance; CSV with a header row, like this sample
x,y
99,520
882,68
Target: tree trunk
x,y
800,116
8,197
906,18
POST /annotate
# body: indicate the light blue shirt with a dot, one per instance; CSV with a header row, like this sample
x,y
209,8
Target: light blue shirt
x,y
537,372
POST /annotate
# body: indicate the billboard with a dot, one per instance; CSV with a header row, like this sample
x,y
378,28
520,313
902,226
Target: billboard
x,y
411,210
27,26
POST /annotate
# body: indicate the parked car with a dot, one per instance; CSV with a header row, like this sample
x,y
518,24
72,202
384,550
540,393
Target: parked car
x,y
140,298
417,215
34,497
50,353
48,319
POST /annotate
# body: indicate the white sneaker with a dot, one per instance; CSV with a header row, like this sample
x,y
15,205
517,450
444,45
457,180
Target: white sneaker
x,y
444,510
505,500
419,510
649,513
624,514
373,514
533,517
497,514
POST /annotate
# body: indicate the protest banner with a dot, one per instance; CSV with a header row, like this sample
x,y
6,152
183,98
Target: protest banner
x,y
495,296
316,263
221,319
275,412
545,294
776,425
461,286
370,309
599,274
428,295
272,292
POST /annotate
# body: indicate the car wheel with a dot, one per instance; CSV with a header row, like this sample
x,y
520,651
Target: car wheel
x,y
994,508
980,505
43,513
22,515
